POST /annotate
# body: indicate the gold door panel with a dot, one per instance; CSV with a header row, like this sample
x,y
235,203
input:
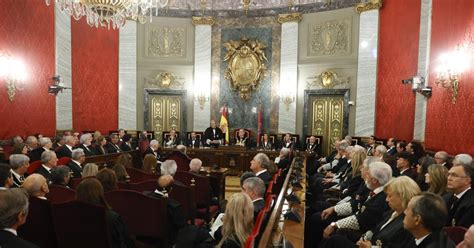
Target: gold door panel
x,y
327,119
165,114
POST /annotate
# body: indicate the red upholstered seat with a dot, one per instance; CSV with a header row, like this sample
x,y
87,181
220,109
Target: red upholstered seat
x,y
64,161
39,228
137,175
33,167
182,161
185,196
455,233
60,194
80,225
148,185
142,146
147,218
249,243
202,192
268,202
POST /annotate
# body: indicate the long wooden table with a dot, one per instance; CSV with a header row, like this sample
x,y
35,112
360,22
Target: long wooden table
x,y
236,158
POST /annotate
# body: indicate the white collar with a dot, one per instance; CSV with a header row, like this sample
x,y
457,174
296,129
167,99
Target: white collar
x,y
159,193
462,193
404,170
260,172
16,175
10,230
3,188
418,241
68,146
76,162
378,190
258,199
42,197
47,168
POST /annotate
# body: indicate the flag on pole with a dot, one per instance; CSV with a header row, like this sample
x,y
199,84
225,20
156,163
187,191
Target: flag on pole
x,y
224,125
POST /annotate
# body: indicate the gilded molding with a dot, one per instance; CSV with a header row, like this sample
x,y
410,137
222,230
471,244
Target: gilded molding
x,y
373,4
290,17
203,20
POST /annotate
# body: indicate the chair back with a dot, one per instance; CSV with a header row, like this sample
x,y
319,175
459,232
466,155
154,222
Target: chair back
x,y
137,175
60,194
201,185
149,219
185,196
80,225
455,233
182,161
249,243
64,161
142,146
39,228
33,167
148,185
74,182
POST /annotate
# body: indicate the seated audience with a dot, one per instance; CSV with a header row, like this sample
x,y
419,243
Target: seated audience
x,y
58,142
48,162
96,136
90,170
168,167
468,241
266,144
31,143
195,166
425,218
66,149
389,232
421,170
380,151
404,163
437,179
401,146
44,145
20,148
258,165
126,143
60,176
125,159
238,221
13,213
254,187
441,158
181,148
153,149
244,176
193,141
90,191
86,144
6,178
392,146
121,173
77,159
149,164
19,164
100,146
370,146
108,179
36,186
283,159
416,150
113,145
17,140
460,203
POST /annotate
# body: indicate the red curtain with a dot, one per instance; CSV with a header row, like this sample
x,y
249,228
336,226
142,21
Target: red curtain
x,y
27,34
94,77
450,127
398,56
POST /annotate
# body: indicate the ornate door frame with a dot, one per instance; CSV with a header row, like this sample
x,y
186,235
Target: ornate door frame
x,y
326,92
181,93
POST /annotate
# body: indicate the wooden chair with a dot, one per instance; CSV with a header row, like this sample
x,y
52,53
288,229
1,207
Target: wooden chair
x,y
182,161
78,225
39,228
60,194
198,135
185,196
248,133
319,139
148,185
165,135
294,137
137,175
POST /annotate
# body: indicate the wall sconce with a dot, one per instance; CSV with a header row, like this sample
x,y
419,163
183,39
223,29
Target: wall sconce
x,y
449,80
202,98
287,99
419,85
13,72
449,70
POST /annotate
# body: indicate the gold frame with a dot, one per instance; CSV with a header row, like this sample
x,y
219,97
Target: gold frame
x,y
373,4
246,66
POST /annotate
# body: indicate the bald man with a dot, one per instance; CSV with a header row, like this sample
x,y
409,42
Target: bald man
x,y
36,185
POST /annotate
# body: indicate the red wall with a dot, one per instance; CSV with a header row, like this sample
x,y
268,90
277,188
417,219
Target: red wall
x,y
27,33
450,126
397,59
94,77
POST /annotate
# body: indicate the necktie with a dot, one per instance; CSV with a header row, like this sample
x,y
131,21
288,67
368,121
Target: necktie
x,y
22,178
455,201
372,194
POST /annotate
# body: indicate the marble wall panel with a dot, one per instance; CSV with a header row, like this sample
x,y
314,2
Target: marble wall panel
x,y
202,77
128,76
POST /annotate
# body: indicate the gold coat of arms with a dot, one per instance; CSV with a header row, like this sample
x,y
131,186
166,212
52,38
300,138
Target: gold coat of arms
x,y
246,66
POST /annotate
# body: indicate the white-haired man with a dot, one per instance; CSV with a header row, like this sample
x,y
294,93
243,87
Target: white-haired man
x,y
77,159
195,165
86,142
45,144
153,149
19,163
49,161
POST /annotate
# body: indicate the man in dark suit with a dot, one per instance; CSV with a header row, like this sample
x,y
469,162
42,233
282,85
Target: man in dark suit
x,y
254,187
126,144
404,165
392,146
113,145
6,179
176,219
193,141
441,158
153,149
78,157
86,144
258,165
19,164
287,142
45,145
425,217
460,203
352,215
312,146
66,149
49,161
283,160
13,207
213,136
371,146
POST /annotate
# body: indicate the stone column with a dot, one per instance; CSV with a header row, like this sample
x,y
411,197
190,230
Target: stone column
x,y
202,72
127,96
288,72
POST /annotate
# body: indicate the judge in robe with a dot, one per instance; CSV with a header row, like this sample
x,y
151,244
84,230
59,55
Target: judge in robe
x,y
241,139
171,141
288,142
266,144
213,136
312,146
193,141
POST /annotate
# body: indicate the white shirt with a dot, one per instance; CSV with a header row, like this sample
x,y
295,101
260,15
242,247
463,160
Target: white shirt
x,y
69,147
462,193
47,168
10,230
418,241
79,164
16,175
260,172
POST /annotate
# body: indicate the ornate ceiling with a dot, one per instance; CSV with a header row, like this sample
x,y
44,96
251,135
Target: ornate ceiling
x,y
237,8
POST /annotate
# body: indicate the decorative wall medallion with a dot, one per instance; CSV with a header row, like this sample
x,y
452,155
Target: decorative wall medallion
x,y
165,80
246,66
330,38
291,17
203,20
166,42
327,79
373,4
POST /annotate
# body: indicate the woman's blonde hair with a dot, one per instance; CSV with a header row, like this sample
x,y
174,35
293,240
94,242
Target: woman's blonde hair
x,y
90,170
438,178
357,159
238,220
149,163
125,159
404,187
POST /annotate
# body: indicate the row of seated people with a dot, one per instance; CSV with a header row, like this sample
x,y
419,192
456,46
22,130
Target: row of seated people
x,y
348,194
41,188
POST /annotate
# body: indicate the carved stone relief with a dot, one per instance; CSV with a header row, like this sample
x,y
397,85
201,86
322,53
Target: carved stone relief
x,y
166,42
330,38
164,80
327,79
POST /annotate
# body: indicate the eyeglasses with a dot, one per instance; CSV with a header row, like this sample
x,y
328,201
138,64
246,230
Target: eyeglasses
x,y
456,175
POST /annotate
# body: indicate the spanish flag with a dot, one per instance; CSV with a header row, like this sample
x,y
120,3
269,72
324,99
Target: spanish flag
x,y
224,125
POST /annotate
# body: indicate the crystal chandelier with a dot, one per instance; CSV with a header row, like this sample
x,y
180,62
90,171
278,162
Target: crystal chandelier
x,y
110,13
